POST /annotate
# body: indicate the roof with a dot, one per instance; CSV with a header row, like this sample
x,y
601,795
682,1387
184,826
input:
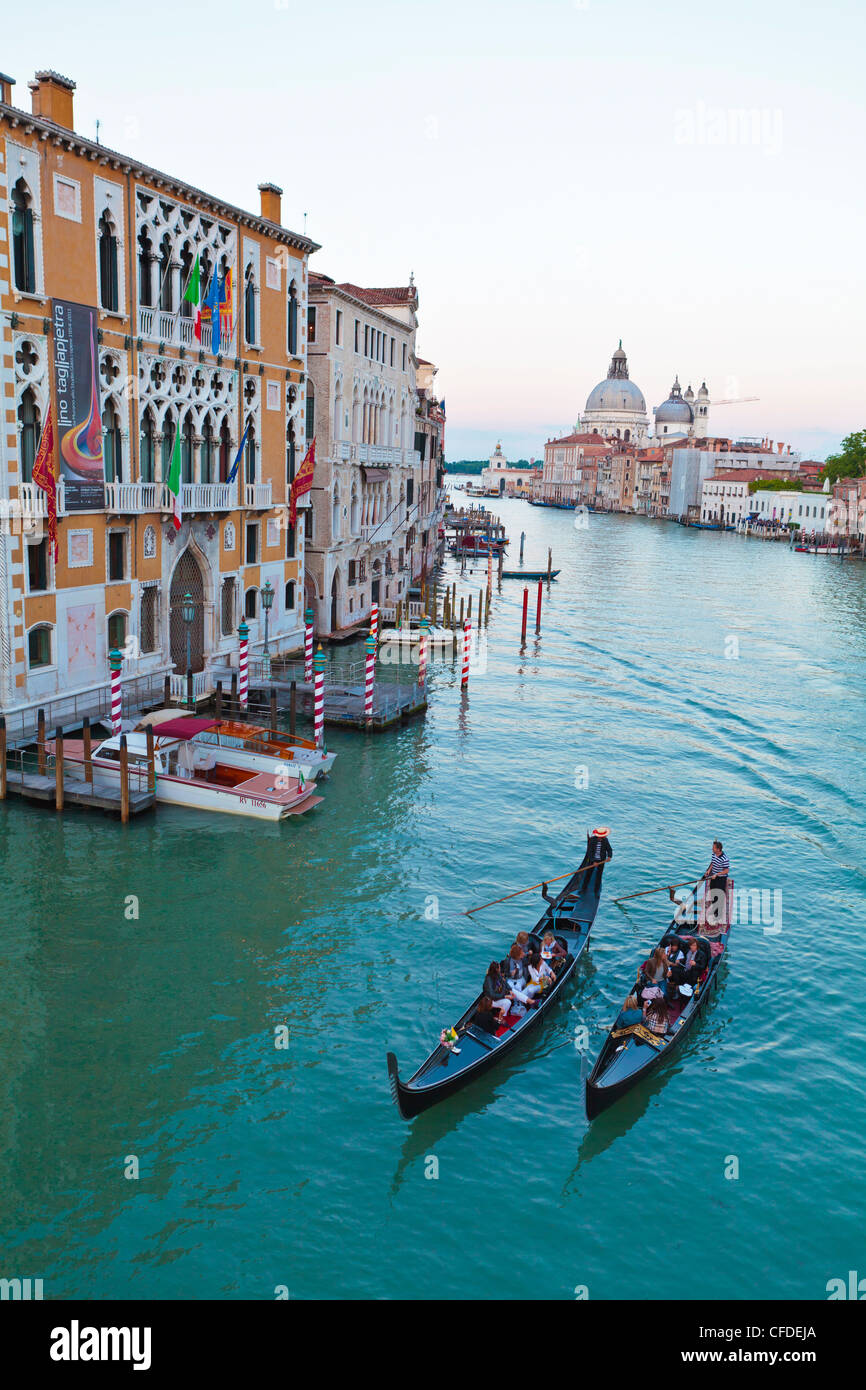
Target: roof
x,y
743,475
184,727
381,298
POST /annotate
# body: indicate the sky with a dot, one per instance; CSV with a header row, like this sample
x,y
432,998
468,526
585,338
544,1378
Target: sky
x,y
558,175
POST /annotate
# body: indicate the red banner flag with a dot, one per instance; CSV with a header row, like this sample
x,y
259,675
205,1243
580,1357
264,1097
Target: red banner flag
x,y
302,483
44,476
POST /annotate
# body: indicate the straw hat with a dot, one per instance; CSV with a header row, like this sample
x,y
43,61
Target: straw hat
x,y
601,831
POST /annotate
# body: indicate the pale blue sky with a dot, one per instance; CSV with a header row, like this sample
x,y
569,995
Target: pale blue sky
x,y
558,175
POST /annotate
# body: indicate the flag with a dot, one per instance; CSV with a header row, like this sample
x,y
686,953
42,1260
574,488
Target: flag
x,y
172,482
239,455
227,325
43,477
192,295
213,299
303,482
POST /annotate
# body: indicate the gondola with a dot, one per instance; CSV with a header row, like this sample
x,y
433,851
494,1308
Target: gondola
x,y
630,1054
529,574
569,916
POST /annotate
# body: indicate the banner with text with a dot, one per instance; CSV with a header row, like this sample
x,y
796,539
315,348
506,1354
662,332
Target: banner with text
x,y
79,419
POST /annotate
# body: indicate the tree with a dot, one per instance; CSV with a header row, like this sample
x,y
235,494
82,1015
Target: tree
x,y
850,462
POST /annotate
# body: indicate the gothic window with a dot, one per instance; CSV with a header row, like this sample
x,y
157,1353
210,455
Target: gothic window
x,y
186,450
311,411
186,264
250,455
23,247
227,607
290,542
39,647
249,305
225,449
148,625
250,602
29,429
147,451
117,632
166,289
207,451
290,596
107,264
291,453
145,273
112,449
293,321
168,431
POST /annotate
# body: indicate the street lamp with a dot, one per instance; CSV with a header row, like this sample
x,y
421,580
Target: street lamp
x,y
188,612
267,603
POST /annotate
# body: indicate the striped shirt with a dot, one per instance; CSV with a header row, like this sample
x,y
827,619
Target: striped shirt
x,y
718,864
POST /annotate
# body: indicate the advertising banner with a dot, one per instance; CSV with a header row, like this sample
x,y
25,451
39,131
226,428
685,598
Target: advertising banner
x,y
79,420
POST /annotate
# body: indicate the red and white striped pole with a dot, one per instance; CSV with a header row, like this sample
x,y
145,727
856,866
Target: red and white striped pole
x,y
370,677
115,661
422,652
374,622
467,639
523,620
490,571
243,664
319,696
308,646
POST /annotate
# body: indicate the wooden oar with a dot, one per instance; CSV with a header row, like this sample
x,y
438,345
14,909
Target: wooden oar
x,y
571,872
663,889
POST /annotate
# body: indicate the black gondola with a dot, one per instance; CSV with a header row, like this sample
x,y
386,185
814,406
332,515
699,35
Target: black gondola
x,y
630,1054
569,916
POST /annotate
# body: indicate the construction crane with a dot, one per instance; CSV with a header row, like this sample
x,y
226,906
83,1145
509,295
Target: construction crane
x,y
735,400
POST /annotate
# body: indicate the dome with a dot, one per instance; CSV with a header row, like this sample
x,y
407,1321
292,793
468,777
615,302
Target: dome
x,y
616,394
675,410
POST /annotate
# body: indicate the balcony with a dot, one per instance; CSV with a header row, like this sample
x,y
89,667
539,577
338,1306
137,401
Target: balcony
x,y
162,327
378,533
381,455
257,496
131,498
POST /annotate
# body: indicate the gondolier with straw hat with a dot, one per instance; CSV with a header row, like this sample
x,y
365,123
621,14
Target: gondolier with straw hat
x,y
598,851
716,876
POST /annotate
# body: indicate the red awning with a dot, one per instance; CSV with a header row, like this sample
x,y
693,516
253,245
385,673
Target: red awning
x,y
185,727
375,475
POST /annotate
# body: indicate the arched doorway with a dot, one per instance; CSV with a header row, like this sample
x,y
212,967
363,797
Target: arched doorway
x,y
335,600
187,578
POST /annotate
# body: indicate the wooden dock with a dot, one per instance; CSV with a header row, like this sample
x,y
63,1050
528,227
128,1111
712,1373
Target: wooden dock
x,y
35,786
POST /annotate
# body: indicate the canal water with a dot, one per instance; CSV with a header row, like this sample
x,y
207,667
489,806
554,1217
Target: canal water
x,y
685,685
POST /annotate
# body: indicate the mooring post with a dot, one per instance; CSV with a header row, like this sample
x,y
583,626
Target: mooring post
x,y
88,752
487,609
124,780
462,601
58,769
166,691
190,698
40,742
151,761
293,707
234,694
218,700
273,709
525,611
522,539
538,607
549,564
480,608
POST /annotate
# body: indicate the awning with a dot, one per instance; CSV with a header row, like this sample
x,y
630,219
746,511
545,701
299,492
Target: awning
x,y
375,475
184,727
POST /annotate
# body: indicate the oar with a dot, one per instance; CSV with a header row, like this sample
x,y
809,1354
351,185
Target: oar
x,y
571,872
663,889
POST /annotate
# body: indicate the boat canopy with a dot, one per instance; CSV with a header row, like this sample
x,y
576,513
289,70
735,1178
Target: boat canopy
x,y
185,727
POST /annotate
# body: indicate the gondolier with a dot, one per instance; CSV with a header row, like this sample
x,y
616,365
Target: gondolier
x,y
717,882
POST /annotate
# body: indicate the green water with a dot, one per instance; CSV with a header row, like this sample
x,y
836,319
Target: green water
x,y
260,1166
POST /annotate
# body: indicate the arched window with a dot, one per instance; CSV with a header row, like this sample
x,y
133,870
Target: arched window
x,y
166,288
311,411
355,514
335,514
39,646
145,275
251,603
168,431
250,455
117,627
107,263
112,449
186,264
207,451
29,429
249,305
23,248
337,432
291,453
186,454
292,335
290,596
147,450
225,450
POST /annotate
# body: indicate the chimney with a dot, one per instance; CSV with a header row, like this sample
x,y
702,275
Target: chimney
x,y
271,202
6,85
780,446
52,97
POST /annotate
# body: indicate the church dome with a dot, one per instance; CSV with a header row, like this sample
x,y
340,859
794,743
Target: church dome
x,y
675,410
615,394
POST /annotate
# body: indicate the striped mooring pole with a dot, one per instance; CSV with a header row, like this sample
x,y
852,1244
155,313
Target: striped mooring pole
x,y
374,622
467,639
243,664
489,570
308,646
422,651
370,676
319,696
115,661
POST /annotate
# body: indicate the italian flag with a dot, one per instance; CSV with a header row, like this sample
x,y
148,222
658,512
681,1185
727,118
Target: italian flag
x,y
192,295
172,482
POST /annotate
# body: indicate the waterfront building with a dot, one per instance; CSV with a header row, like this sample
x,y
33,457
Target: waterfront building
x,y
725,495
371,514
848,509
502,479
430,444
682,415
569,473
812,511
100,249
616,408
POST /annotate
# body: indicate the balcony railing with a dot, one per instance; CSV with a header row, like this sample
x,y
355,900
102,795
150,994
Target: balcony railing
x,y
349,451
163,327
257,495
130,498
133,497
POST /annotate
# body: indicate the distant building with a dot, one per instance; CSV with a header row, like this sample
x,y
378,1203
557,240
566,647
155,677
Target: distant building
x,y
568,475
684,416
616,408
503,479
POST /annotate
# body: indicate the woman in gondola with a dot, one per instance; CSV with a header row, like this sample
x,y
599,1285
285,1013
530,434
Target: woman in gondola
x,y
656,1015
497,990
484,1016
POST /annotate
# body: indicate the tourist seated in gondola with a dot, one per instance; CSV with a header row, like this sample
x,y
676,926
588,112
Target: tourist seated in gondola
x,y
630,1013
515,971
656,1016
551,949
658,966
522,940
497,989
541,975
485,1016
